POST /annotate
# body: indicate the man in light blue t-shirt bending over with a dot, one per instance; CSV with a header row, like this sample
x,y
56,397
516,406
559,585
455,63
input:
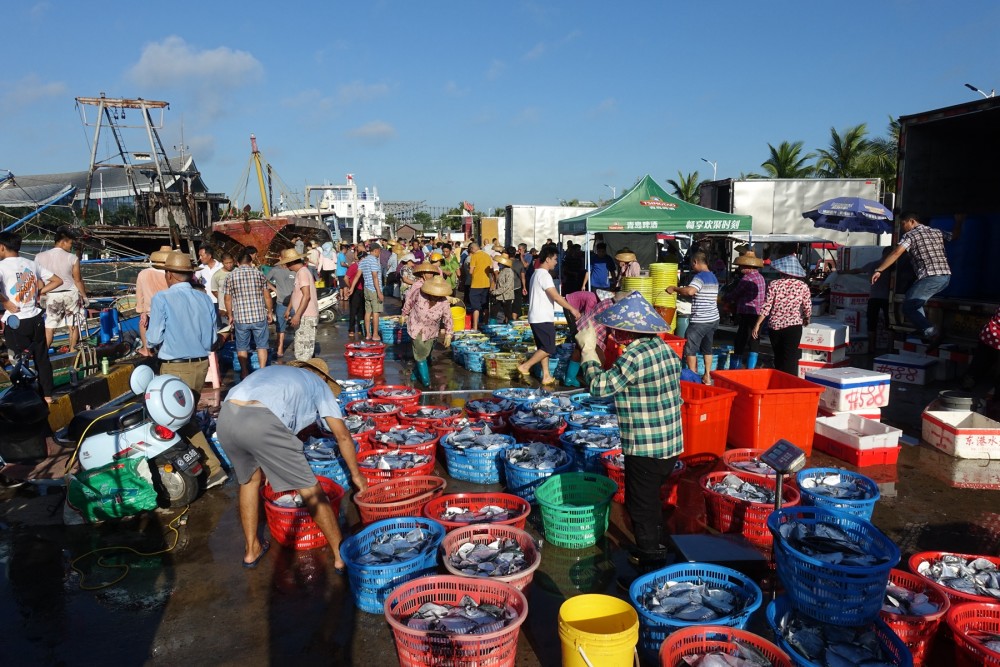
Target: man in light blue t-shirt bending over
x,y
704,292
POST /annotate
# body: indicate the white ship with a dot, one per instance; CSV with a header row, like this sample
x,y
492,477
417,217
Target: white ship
x,y
350,214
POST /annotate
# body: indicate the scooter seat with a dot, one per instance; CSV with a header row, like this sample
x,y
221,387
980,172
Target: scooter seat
x,y
104,419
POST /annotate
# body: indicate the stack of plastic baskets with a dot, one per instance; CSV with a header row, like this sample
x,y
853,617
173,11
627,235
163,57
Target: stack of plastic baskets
x,y
522,481
365,359
293,526
584,453
372,584
698,642
473,464
387,328
405,496
654,628
728,514
575,508
486,534
917,632
862,508
517,508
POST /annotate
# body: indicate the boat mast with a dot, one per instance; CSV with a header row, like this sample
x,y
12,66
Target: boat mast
x,y
260,176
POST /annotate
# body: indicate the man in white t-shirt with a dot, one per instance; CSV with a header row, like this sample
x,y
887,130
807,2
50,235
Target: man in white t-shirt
x,y
207,269
541,315
23,282
65,305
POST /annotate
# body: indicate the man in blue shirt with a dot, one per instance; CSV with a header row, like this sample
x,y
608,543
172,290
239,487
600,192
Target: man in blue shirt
x,y
602,270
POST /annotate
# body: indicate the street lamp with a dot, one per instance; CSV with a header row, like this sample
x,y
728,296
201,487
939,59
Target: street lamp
x,y
614,191
976,90
715,167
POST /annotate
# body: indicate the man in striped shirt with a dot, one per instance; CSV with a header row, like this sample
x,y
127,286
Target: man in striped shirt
x,y
700,334
371,272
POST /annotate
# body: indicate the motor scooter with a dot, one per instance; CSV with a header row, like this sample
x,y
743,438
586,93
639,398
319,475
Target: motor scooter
x,y
23,416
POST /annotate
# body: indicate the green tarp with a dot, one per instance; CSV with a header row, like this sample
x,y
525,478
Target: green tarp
x,y
647,207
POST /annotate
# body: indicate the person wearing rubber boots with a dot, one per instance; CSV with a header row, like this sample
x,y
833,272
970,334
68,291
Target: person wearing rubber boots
x,y
645,384
427,311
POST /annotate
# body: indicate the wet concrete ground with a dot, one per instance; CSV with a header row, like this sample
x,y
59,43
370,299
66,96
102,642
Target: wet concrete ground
x,y
194,604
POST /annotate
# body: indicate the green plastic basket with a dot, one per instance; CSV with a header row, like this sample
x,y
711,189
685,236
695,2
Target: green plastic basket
x,y
575,508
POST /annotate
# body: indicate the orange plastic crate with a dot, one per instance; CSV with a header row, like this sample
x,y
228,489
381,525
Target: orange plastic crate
x,y
705,418
770,405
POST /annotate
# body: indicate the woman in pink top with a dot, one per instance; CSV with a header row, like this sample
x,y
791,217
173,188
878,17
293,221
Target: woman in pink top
x,y
426,312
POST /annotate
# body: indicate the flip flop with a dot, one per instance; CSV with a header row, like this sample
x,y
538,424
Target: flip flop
x,y
548,382
255,562
342,571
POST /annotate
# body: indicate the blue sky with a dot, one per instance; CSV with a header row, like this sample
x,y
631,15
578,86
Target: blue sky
x,y
490,102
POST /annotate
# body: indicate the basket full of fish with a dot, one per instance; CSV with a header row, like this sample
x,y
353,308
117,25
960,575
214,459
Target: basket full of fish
x,y
384,413
497,425
323,455
457,510
748,461
403,396
691,594
520,395
962,577
720,646
472,456
359,425
592,420
738,502
976,629
575,508
834,566
812,643
382,465
407,439
288,518
456,621
533,427
527,465
585,448
429,416
405,496
913,608
389,553
840,490
367,362
353,390
502,553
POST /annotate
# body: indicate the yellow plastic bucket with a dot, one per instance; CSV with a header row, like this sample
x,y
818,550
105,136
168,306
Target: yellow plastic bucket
x,y
458,318
601,629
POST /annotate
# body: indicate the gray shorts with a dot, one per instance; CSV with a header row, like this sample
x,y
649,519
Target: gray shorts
x,y
700,338
372,304
253,438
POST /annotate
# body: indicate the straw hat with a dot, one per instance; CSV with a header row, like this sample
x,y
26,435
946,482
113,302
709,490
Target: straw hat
x,y
436,286
157,258
497,247
320,368
789,265
424,268
749,259
626,257
505,260
288,255
437,257
635,314
178,262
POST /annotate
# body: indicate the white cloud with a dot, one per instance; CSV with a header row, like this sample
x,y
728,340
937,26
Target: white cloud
x,y
174,62
352,93
606,106
374,132
39,10
497,68
535,53
28,90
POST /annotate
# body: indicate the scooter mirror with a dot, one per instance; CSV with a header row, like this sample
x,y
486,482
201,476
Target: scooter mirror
x,y
169,401
140,379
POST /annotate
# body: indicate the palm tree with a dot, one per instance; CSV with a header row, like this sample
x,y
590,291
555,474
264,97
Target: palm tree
x,y
847,156
787,161
687,188
883,155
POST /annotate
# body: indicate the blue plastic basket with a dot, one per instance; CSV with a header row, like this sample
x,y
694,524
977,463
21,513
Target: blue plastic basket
x,y
588,402
573,421
653,629
372,584
522,482
859,508
888,639
582,458
836,594
360,393
474,465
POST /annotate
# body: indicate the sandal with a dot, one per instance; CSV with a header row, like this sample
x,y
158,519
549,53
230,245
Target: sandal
x,y
256,561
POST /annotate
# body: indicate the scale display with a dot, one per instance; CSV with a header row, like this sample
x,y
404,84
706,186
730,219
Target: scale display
x,y
784,457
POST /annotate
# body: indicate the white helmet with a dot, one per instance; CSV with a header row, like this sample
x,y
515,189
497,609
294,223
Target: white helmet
x,y
169,401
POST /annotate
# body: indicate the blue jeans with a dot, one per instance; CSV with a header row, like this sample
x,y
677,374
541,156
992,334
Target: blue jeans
x,y
254,333
919,294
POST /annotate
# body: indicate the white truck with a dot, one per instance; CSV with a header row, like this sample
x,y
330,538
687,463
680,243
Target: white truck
x,y
533,225
777,204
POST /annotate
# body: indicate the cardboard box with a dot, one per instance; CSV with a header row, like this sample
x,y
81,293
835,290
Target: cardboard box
x,y
962,434
824,334
805,366
851,388
867,413
857,432
960,473
824,355
909,369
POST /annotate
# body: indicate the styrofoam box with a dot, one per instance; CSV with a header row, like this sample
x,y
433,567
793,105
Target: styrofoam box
x,y
824,356
805,366
825,333
851,388
856,320
908,368
960,473
848,300
962,434
867,413
857,432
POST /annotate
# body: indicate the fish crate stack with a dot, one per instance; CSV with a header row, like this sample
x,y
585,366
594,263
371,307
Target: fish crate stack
x,y
823,345
365,359
288,519
951,360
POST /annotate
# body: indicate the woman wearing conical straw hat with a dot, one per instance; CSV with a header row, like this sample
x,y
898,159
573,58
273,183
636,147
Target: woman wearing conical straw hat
x,y
427,311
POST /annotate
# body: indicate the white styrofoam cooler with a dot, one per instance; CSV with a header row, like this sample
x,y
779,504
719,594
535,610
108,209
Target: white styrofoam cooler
x,y
851,388
856,432
805,366
824,334
867,413
962,434
826,356
908,368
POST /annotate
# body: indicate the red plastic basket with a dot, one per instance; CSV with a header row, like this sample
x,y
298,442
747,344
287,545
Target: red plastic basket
x,y
383,420
701,640
705,417
408,417
770,405
411,400
376,476
732,515
956,597
294,526
476,501
418,648
917,632
401,497
963,618
486,533
364,364
613,349
500,419
429,447
857,457
549,437
732,456
369,346
498,425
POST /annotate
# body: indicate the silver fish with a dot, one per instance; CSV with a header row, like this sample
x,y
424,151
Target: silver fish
x,y
491,407
837,487
827,542
691,601
976,576
734,487
536,456
390,548
466,617
398,436
899,600
597,420
832,645
394,461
